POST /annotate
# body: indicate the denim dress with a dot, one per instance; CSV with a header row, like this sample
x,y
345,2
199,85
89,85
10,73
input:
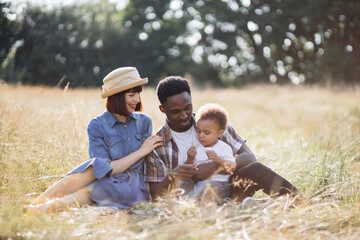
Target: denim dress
x,y
109,140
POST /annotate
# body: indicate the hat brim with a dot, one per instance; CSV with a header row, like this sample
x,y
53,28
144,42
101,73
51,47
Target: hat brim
x,y
124,88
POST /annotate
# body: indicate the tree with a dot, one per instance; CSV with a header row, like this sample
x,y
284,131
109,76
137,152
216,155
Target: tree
x,y
225,43
154,35
85,42
68,42
7,31
281,40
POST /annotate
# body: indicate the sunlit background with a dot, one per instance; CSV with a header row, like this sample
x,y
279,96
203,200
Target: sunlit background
x,y
215,43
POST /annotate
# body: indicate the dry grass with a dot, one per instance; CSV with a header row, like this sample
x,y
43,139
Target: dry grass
x,y
308,135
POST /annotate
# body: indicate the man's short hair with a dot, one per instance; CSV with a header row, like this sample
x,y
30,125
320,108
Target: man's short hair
x,y
171,86
215,112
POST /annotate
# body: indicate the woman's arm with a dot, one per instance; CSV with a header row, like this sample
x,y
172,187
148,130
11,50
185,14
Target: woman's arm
x,y
99,149
97,145
121,165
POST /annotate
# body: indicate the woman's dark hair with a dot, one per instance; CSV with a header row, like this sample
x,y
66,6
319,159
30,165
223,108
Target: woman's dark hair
x,y
116,103
171,86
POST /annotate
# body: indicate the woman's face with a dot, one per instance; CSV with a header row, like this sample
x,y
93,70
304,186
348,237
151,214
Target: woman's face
x,y
131,100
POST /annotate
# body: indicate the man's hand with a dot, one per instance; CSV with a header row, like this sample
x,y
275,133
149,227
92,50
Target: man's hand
x,y
184,172
229,167
205,170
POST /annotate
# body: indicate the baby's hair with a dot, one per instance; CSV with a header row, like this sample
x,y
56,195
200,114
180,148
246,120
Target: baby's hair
x,y
213,111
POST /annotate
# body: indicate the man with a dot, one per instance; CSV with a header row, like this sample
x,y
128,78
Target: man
x,y
166,164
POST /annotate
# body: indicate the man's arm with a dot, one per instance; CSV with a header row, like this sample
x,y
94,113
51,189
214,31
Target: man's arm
x,y
205,170
182,172
244,156
159,188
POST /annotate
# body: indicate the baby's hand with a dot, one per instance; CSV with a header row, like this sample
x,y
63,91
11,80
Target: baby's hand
x,y
213,156
191,153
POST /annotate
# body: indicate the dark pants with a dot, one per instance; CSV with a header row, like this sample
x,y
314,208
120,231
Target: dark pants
x,y
256,176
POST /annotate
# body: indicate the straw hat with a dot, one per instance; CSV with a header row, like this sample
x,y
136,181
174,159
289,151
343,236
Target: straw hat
x,y
121,79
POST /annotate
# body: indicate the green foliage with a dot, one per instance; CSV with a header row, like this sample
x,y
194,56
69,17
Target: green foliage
x,y
7,31
67,41
154,33
222,43
324,45
9,70
281,40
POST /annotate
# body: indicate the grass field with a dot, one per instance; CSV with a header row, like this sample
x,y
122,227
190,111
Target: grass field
x,y
308,135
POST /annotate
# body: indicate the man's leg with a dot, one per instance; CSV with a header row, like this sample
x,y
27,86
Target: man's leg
x,y
221,190
186,185
256,176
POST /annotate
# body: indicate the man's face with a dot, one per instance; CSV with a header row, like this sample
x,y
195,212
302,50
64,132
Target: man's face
x,y
178,110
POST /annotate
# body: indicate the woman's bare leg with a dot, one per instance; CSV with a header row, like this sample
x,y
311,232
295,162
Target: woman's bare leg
x,y
76,199
67,185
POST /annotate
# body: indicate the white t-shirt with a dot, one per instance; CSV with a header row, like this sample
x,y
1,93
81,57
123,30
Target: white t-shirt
x,y
184,141
223,151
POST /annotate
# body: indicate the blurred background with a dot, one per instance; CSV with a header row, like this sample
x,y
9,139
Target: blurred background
x,y
218,43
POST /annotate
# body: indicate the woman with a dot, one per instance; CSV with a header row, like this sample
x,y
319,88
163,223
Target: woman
x,y
119,139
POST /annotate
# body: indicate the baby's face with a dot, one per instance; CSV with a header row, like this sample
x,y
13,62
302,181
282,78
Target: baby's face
x,y
208,132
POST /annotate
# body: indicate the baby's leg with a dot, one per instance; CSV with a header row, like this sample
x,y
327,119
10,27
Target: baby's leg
x,y
199,189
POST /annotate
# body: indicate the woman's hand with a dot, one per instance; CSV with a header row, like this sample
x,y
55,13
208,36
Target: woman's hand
x,y
121,165
150,144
